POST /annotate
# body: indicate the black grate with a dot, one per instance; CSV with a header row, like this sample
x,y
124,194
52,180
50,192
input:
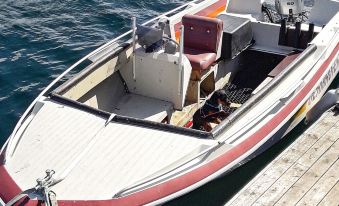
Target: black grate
x,y
236,95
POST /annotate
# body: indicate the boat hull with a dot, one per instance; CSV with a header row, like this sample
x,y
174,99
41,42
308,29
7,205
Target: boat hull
x,y
255,144
252,144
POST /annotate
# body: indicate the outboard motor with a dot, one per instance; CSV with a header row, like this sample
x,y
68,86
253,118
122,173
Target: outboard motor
x,y
289,9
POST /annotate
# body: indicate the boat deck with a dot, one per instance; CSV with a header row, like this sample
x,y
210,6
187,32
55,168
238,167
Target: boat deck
x,y
306,173
95,160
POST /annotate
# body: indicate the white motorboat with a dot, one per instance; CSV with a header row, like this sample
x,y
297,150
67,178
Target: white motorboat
x,y
119,131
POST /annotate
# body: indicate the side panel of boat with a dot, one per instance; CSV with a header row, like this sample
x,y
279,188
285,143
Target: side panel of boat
x,y
276,137
329,70
269,134
316,94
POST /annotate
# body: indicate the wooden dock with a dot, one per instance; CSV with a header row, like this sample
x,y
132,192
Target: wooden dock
x,y
306,173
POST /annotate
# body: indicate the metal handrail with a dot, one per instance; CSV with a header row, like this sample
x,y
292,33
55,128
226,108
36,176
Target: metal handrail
x,y
11,139
181,53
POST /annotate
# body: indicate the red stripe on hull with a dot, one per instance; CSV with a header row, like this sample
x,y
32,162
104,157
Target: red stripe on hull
x,y
174,185
209,11
8,187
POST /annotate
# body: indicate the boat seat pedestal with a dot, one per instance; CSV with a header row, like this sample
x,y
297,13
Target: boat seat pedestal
x,y
204,84
202,36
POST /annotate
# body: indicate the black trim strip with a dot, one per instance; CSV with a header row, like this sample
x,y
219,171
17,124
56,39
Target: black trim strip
x,y
130,120
69,102
162,127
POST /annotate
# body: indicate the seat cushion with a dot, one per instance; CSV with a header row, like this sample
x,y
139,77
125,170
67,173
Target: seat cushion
x,y
200,60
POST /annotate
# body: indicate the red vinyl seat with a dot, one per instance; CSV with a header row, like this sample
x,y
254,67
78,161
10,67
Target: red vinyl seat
x,y
201,40
199,59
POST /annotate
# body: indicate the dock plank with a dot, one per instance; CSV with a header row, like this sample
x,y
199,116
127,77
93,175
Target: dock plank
x,y
277,190
318,149
304,163
294,173
311,177
331,199
319,191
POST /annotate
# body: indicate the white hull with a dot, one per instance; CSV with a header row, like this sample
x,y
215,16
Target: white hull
x,y
106,153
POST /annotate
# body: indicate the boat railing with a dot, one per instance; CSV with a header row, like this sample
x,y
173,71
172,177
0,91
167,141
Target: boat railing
x,y
12,139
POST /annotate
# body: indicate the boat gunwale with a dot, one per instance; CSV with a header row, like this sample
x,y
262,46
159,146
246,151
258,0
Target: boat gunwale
x,y
221,128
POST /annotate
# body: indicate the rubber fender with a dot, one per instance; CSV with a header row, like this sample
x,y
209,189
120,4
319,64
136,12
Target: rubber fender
x,y
326,102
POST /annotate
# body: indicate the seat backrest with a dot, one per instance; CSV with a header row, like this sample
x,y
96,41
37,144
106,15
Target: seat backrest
x,y
202,33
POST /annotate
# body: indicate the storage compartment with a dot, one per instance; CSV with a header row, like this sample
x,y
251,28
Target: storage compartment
x,y
237,35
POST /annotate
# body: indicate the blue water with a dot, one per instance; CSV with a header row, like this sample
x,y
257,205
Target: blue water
x,y
39,39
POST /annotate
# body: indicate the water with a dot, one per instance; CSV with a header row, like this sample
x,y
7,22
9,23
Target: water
x,y
41,38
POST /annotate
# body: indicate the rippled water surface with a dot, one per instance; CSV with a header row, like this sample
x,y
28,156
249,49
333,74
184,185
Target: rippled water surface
x,y
41,38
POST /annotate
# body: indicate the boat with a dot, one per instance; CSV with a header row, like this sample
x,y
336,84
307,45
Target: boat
x,y
115,128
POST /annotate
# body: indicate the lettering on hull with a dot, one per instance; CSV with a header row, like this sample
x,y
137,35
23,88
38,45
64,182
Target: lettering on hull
x,y
325,82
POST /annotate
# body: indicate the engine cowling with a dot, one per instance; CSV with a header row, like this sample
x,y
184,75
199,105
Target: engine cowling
x,y
289,7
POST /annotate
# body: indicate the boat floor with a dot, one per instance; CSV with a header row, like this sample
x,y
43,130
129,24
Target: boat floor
x,y
180,118
96,160
141,107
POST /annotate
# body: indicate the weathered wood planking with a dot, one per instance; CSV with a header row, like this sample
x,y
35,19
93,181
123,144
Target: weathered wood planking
x,y
306,173
332,197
